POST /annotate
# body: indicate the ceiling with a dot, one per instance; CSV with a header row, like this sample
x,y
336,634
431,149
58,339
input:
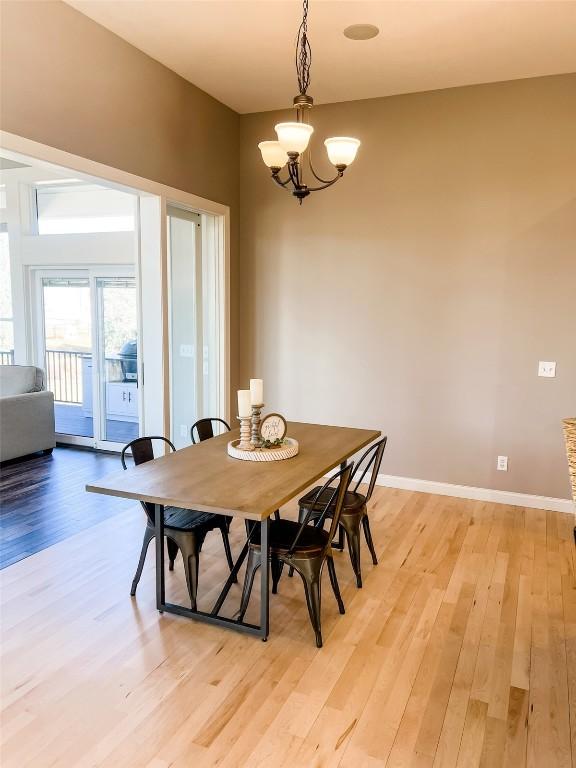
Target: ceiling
x,y
241,51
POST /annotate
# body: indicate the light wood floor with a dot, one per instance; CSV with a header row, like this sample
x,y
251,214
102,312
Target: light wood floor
x,y
460,650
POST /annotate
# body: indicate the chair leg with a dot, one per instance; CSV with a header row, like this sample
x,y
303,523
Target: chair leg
x,y
334,582
251,567
189,546
352,527
148,536
226,542
368,535
311,578
341,538
276,566
277,515
172,552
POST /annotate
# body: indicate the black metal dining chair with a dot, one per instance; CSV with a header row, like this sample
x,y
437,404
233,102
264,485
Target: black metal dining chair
x,y
185,529
303,547
205,429
354,512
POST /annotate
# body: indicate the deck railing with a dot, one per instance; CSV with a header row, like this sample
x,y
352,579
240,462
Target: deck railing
x,y
64,375
64,372
7,357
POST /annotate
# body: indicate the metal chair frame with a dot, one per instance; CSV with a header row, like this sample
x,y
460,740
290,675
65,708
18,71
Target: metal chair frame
x,y
308,562
186,540
352,518
205,428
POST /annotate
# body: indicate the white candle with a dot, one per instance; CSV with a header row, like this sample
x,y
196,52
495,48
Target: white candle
x,y
257,391
244,404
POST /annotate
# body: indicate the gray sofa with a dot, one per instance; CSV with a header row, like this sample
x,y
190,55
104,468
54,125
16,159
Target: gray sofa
x,y
26,412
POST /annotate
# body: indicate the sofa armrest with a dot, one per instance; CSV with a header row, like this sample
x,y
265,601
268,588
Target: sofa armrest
x,y
26,424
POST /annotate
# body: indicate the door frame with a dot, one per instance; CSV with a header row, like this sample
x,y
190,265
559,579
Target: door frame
x,y
152,264
91,273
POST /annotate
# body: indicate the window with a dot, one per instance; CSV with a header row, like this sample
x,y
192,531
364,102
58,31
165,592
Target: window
x,y
81,208
6,322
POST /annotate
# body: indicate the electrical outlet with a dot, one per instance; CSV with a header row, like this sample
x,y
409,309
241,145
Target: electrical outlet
x,y
502,463
183,430
546,369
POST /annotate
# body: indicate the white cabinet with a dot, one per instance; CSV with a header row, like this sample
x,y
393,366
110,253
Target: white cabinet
x,y
122,401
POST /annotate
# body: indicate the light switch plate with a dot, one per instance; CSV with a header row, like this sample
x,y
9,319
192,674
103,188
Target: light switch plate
x,y
186,350
547,369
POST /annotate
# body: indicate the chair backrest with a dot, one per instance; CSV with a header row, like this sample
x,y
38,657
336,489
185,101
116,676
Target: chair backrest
x,y
372,458
142,451
205,429
331,504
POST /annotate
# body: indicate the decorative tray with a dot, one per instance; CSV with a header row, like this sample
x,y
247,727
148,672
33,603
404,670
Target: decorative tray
x,y
285,451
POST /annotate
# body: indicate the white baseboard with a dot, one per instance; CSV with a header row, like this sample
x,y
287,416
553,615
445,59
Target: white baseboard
x,y
477,494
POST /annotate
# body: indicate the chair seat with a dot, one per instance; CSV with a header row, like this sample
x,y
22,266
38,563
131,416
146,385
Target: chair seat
x,y
283,533
190,520
353,502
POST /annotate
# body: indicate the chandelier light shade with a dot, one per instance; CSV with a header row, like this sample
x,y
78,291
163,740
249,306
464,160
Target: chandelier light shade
x,y
273,154
341,150
294,137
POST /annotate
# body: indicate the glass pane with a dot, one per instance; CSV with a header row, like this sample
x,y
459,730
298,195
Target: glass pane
x,y
81,208
183,328
120,355
68,353
6,325
6,342
194,328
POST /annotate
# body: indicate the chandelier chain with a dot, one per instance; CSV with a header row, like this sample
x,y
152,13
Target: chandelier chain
x,y
303,52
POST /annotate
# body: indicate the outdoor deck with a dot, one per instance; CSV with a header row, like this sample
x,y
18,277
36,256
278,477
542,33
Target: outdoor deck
x,y
71,421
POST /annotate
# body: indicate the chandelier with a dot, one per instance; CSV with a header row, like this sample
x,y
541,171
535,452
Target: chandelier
x,y
293,138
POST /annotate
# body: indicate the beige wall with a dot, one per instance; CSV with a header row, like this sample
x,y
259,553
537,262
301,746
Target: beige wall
x,y
69,83
418,294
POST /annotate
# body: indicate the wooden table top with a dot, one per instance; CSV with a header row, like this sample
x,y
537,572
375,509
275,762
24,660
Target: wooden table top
x,y
205,478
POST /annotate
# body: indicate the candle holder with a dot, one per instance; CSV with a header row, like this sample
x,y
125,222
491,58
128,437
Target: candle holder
x,y
255,438
245,444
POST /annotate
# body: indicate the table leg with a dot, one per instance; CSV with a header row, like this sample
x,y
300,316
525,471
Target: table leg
x,y
230,580
159,542
264,578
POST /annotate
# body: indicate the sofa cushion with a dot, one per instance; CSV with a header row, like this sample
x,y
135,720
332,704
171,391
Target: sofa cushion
x,y
20,379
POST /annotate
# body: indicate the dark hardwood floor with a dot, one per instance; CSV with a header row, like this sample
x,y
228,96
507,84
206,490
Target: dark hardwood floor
x,y
43,500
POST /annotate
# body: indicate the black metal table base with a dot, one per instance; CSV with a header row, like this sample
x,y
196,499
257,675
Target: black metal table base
x,y
213,618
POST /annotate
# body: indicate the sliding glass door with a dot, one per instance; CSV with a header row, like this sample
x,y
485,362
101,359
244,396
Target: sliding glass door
x,y
86,341
118,358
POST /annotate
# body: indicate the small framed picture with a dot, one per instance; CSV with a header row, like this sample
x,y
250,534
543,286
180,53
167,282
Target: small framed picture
x,y
273,427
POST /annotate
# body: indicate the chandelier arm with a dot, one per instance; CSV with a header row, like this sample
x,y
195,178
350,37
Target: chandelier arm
x,y
327,184
278,180
294,175
318,178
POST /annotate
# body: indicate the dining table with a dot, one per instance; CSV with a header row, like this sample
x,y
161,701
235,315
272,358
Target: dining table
x,y
205,478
